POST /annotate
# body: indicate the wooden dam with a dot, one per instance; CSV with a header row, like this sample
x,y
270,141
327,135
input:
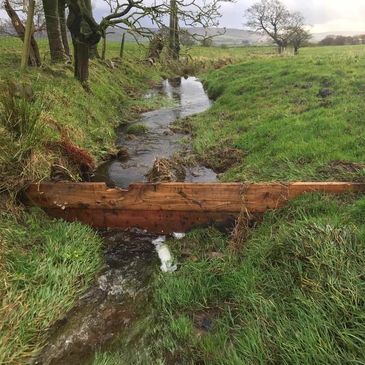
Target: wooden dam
x,y
169,207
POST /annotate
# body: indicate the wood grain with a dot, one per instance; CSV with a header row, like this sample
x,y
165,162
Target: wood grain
x,y
169,207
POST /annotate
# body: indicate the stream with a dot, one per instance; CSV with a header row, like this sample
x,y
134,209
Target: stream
x,y
119,294
159,141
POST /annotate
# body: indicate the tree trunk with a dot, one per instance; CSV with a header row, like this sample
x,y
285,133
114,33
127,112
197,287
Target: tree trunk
x,y
62,19
174,43
34,55
54,30
103,50
93,52
81,56
156,47
85,34
27,35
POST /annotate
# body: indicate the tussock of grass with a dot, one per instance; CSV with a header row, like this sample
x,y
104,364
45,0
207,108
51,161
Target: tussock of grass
x,y
137,129
44,266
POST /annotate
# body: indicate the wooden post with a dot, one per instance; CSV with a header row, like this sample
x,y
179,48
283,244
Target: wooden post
x,y
174,42
28,35
103,50
122,46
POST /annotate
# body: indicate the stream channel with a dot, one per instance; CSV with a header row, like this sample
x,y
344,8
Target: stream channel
x,y
120,292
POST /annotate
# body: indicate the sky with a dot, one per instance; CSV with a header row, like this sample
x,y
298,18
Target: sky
x,y
322,15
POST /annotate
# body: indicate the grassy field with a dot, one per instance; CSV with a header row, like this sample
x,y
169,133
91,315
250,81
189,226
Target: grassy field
x,y
294,293
294,118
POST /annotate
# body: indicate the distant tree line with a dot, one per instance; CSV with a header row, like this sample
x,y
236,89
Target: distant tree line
x,y
339,40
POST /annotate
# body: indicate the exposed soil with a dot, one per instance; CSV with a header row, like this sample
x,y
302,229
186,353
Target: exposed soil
x,y
343,170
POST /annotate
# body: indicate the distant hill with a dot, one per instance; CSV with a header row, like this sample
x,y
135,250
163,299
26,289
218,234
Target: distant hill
x,y
228,36
237,37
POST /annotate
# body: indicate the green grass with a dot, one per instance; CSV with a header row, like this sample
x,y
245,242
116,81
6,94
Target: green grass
x,y
45,265
270,108
293,295
295,292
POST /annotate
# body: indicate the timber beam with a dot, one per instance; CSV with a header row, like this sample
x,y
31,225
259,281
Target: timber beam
x,y
169,207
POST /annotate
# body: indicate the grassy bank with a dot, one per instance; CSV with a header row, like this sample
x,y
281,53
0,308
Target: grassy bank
x,y
44,266
57,109
294,292
294,118
48,121
293,295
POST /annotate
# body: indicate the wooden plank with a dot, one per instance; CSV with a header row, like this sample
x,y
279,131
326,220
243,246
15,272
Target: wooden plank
x,y
161,222
168,207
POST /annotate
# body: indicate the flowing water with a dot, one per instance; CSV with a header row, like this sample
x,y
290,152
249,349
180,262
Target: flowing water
x,y
159,141
119,295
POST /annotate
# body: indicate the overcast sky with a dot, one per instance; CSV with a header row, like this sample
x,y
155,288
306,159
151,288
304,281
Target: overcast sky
x,y
322,15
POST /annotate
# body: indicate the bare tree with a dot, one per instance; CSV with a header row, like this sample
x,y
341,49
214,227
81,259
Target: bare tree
x,y
50,16
132,17
299,37
20,7
272,18
85,32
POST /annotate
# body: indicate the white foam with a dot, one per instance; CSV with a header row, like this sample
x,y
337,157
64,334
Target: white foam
x,y
178,236
163,251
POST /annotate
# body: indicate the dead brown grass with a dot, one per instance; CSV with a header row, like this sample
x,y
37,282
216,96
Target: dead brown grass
x,y
165,169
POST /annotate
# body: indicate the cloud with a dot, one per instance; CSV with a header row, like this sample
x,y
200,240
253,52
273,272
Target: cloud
x,y
323,15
